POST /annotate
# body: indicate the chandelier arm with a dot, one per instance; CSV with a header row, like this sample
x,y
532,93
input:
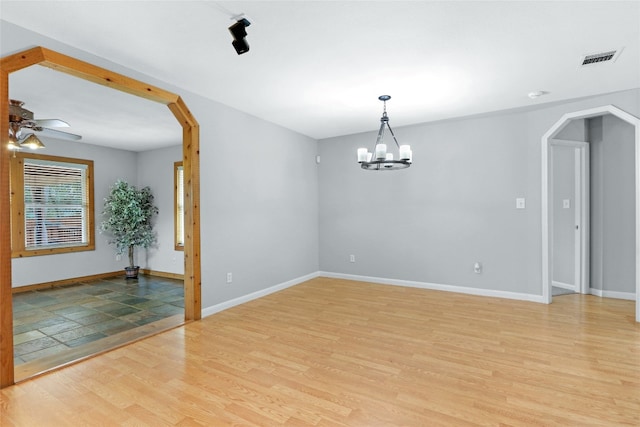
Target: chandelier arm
x,y
380,134
393,135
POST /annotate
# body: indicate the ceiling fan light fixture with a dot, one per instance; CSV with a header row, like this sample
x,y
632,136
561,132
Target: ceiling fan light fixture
x,y
20,118
13,145
32,142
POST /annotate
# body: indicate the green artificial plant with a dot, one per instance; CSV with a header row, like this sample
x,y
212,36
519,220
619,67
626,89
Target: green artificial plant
x,y
128,212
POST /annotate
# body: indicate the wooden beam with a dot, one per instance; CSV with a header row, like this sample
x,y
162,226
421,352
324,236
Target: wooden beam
x,y
6,300
191,183
20,60
104,77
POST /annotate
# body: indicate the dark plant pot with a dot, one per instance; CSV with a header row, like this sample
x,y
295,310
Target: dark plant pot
x,y
132,272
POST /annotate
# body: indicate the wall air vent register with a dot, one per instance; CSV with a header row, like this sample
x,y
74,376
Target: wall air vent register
x,y
599,58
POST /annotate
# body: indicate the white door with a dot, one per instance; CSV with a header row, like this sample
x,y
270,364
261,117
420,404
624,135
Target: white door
x,y
569,210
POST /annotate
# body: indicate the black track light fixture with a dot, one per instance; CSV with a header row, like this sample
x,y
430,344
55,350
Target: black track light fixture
x,y
239,32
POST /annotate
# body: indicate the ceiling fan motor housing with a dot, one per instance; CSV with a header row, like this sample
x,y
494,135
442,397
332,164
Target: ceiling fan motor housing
x,y
21,118
17,113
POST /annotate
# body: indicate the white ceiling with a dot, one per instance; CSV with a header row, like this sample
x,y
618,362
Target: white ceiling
x,y
317,67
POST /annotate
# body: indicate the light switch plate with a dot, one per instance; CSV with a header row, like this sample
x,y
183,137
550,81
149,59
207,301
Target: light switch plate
x,y
566,204
520,203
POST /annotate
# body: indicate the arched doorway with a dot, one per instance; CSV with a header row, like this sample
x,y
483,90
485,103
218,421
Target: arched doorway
x,y
546,212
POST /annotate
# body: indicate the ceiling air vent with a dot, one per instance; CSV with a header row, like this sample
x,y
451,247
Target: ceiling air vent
x,y
599,58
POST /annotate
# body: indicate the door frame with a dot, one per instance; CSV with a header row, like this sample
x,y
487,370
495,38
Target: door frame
x,y
581,202
545,201
191,164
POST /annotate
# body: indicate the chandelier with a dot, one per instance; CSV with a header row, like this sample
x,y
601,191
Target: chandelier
x,y
382,159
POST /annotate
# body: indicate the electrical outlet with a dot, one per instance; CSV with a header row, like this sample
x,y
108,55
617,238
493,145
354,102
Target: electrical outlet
x,y
352,258
229,277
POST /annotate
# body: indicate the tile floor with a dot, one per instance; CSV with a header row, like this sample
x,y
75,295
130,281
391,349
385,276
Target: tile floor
x,y
49,321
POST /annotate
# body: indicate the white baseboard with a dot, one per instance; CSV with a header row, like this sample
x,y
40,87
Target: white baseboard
x,y
255,295
437,287
613,294
422,285
563,285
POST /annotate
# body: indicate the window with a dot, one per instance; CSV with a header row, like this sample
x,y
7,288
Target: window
x,y
178,181
51,205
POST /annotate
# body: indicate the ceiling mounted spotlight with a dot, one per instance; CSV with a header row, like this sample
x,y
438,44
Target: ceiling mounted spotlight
x,y
239,32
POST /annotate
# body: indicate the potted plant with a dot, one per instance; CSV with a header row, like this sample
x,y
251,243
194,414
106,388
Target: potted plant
x,y
127,218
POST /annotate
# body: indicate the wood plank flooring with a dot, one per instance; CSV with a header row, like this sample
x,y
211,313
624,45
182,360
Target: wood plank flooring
x,y
330,352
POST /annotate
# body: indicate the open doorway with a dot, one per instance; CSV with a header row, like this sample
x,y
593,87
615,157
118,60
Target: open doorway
x,y
570,208
587,270
190,150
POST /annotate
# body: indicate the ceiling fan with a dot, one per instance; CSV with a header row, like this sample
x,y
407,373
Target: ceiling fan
x,y
22,127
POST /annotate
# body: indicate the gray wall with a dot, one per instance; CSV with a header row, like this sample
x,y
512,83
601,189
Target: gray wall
x,y
612,204
259,214
259,210
563,167
453,207
429,223
155,169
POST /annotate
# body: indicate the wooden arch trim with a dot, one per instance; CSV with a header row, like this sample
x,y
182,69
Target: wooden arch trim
x,y
191,163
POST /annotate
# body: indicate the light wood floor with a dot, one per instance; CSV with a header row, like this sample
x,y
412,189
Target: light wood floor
x,y
330,352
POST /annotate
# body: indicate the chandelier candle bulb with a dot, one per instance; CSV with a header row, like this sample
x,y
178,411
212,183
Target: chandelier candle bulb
x,y
381,151
369,156
405,152
362,155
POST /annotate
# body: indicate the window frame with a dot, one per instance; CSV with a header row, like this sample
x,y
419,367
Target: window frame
x,y
178,206
18,244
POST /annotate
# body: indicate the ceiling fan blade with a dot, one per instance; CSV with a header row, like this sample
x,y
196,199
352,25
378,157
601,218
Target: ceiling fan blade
x,y
59,134
52,123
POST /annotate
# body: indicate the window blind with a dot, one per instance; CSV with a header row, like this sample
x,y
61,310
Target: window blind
x,y
56,201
